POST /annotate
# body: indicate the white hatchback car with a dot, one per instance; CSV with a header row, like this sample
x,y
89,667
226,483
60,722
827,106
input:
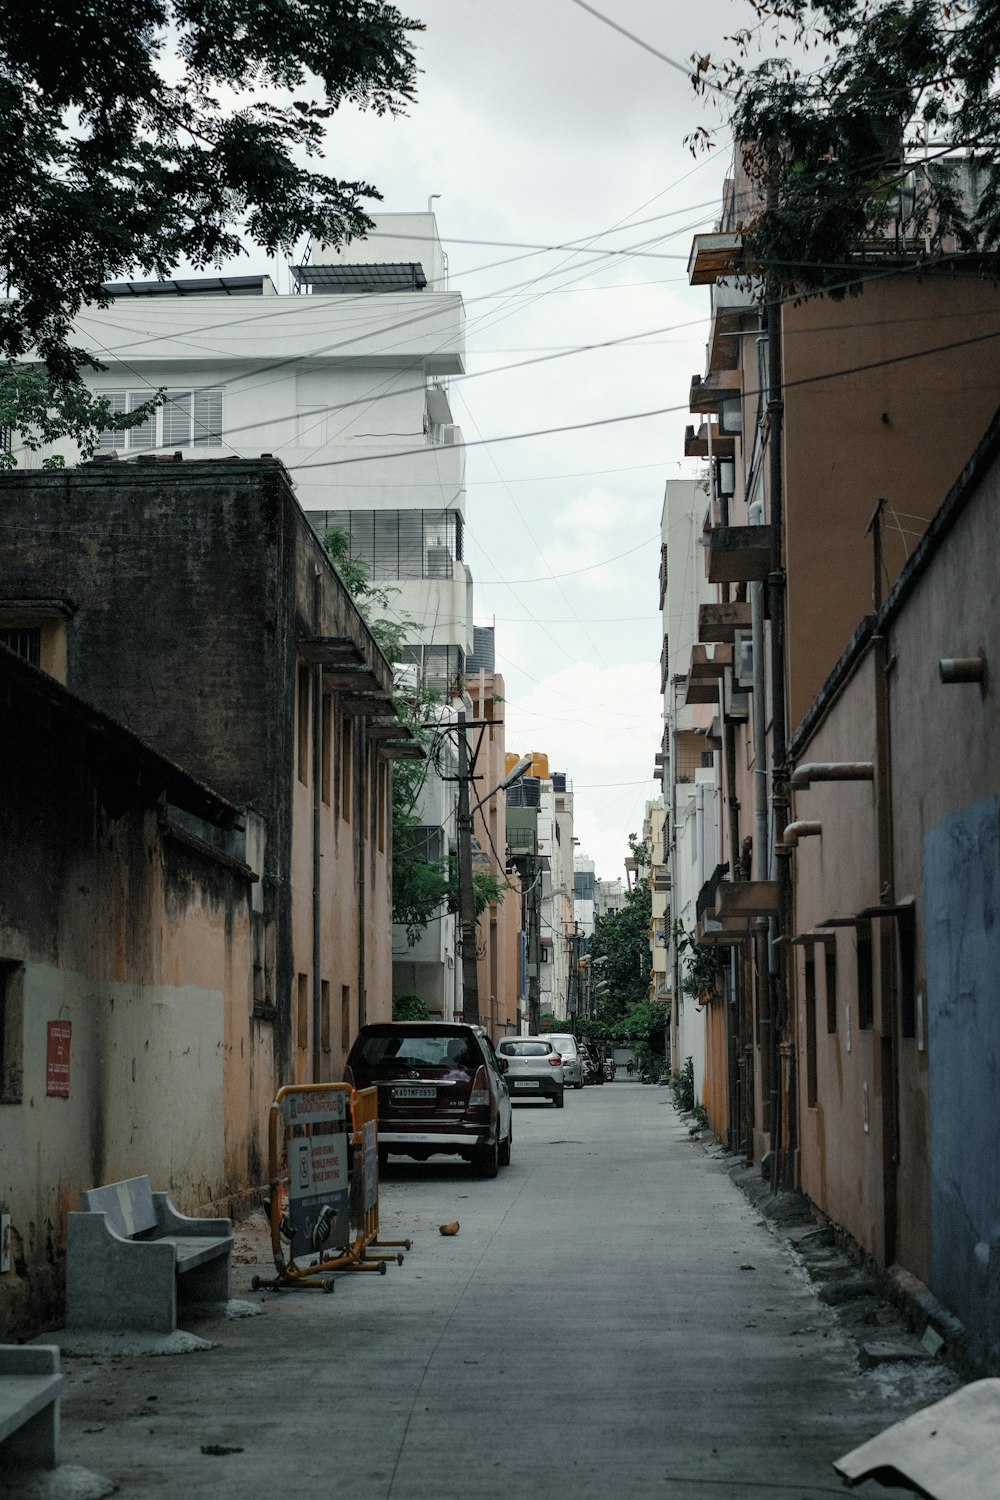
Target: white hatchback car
x,y
572,1058
534,1068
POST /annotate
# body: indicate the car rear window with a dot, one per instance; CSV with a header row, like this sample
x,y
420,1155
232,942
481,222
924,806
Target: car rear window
x,y
563,1043
526,1049
434,1051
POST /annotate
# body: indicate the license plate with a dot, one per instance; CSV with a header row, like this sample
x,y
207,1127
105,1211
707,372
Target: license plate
x,y
415,1091
525,1083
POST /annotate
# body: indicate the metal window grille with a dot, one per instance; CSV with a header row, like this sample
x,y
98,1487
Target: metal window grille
x,y
440,666
399,543
187,419
25,643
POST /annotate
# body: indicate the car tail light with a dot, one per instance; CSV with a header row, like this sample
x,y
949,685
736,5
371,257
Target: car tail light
x,y
349,1076
479,1098
555,1061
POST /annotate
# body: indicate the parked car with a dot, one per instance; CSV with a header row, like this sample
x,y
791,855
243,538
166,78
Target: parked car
x,y
535,1069
441,1088
609,1070
572,1058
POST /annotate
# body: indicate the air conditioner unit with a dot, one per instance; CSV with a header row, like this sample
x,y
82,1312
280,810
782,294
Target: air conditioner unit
x,y
450,435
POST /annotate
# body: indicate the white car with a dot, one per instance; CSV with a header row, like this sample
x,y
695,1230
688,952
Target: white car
x,y
534,1068
569,1047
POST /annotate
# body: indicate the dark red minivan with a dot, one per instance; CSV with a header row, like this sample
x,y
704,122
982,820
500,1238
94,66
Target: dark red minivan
x,y
440,1089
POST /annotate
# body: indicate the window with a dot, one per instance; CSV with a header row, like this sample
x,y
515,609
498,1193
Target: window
x,y
439,666
25,642
346,781
812,1089
302,1011
325,1027
907,928
831,990
326,749
186,419
399,543
345,1018
302,720
866,983
11,1031
35,630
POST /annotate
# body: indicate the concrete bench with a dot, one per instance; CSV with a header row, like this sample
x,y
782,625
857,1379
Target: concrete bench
x,y
128,1254
30,1386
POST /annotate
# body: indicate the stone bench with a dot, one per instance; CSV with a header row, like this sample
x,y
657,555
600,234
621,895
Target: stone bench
x,y
129,1253
30,1387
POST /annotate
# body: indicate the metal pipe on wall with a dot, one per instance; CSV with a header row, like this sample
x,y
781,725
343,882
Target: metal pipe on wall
x,y
777,956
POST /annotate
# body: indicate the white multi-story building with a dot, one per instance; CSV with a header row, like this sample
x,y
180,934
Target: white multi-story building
x,y
609,898
555,847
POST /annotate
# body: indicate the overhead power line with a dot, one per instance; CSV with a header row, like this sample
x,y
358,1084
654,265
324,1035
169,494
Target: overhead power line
x,y
662,411
685,68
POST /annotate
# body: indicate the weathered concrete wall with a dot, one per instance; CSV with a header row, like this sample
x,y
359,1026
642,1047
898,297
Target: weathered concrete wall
x,y
132,938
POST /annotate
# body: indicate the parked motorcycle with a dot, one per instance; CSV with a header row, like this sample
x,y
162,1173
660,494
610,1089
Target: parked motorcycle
x,y
609,1070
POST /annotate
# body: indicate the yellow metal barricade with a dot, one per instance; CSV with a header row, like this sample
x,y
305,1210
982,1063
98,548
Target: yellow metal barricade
x,y
324,1207
364,1182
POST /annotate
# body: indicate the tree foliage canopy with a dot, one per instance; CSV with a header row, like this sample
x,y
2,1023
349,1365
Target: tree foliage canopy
x,y
846,138
138,134
621,939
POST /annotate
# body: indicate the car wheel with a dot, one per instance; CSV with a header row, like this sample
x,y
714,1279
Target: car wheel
x,y
486,1160
558,1101
503,1156
578,1085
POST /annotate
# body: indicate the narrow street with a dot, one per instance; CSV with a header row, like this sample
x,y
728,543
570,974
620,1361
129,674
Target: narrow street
x,y
612,1319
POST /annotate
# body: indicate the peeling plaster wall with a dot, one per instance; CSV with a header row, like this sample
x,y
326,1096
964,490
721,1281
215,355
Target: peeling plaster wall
x,y
134,943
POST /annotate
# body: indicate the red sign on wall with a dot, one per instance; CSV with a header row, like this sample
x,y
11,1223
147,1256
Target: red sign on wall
x,y
57,1059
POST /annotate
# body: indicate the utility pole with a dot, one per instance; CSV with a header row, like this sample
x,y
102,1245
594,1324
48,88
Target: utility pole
x,y
466,889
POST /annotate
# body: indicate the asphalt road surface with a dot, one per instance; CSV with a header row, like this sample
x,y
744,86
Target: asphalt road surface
x,y
612,1320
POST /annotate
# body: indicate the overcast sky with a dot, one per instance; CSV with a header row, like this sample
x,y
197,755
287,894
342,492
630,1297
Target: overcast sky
x,y
538,123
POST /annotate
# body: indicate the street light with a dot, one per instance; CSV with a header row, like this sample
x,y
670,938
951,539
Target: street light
x,y
514,774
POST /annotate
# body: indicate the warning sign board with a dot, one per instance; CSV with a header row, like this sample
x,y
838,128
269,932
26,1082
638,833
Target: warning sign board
x,y
318,1215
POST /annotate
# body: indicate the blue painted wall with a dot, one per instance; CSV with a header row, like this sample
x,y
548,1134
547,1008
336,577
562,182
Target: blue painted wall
x,y
961,876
